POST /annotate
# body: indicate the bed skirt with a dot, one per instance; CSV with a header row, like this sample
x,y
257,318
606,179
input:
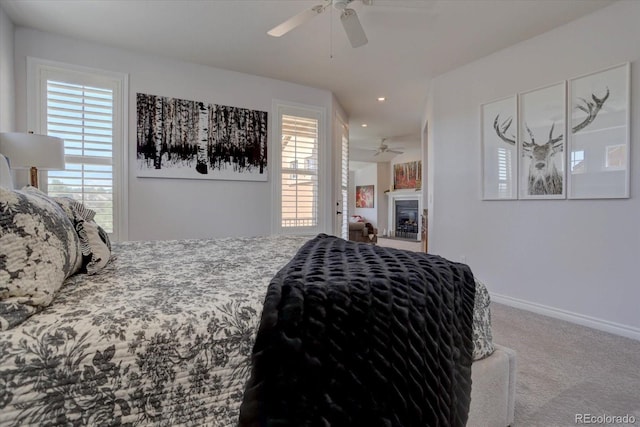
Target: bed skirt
x,y
493,389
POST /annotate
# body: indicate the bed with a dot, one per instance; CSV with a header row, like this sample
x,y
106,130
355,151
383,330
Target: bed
x,y
163,335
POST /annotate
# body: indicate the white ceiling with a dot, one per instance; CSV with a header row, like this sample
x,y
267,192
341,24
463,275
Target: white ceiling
x,y
410,42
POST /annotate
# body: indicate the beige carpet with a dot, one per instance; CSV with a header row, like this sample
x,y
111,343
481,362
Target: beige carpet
x,y
566,369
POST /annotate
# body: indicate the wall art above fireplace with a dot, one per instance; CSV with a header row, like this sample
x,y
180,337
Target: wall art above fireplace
x,y
407,175
177,138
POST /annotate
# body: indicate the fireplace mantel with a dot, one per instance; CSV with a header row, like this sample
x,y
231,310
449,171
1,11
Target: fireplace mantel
x,y
402,195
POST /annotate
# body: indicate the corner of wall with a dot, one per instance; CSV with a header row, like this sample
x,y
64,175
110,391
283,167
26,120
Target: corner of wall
x,y
7,84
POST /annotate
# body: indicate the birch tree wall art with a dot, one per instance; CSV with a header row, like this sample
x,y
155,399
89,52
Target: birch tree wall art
x,y
177,138
407,175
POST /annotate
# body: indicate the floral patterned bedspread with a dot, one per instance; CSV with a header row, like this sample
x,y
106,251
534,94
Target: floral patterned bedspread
x,y
162,336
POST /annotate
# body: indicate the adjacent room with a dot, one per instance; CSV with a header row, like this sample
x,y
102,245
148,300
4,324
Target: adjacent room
x,y
319,212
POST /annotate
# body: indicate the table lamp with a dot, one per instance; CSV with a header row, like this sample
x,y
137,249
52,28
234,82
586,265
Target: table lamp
x,y
33,152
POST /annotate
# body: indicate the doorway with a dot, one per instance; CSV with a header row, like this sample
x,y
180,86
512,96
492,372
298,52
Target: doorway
x,y
426,192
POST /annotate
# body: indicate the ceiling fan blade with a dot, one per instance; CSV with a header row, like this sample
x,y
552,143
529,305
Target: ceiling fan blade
x,y
377,152
394,152
352,27
296,21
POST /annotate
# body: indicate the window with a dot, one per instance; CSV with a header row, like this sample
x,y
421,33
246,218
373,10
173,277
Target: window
x,y
85,109
300,182
344,181
297,182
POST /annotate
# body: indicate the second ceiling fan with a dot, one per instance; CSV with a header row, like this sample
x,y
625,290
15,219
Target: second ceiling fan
x,y
348,18
384,148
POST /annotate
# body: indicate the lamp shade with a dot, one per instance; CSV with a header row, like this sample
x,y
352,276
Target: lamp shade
x,y
27,150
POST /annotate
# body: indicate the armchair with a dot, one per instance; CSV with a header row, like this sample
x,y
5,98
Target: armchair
x,y
360,231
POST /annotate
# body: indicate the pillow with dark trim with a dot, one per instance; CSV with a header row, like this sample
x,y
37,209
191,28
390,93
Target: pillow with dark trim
x,y
39,249
94,241
74,209
95,246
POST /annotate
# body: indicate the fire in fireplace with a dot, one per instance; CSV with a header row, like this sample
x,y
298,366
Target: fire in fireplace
x,y
406,219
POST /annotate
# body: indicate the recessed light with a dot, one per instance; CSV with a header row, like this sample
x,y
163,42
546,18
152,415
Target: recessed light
x,y
364,125
382,98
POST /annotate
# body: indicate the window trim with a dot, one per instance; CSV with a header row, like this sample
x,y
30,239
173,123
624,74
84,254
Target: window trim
x,y
36,109
279,108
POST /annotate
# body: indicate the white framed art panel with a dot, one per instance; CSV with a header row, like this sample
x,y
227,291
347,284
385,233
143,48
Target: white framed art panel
x,y
542,143
499,129
598,143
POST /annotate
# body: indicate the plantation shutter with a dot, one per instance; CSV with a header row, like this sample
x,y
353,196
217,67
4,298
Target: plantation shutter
x,y
83,116
344,185
299,171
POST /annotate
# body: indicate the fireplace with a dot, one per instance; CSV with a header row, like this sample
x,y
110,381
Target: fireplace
x,y
406,219
403,219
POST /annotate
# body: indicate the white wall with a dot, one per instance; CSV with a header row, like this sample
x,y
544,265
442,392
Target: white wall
x,y
382,202
7,92
175,208
575,259
367,176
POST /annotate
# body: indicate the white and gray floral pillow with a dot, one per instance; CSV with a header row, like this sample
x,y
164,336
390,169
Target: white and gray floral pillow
x,y
39,249
482,338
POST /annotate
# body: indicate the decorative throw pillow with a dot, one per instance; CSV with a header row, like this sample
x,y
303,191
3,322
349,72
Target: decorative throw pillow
x,y
74,209
95,246
94,241
39,249
482,338
356,218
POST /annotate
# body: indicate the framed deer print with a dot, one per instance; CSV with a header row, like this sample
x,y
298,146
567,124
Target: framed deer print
x,y
499,149
598,136
541,143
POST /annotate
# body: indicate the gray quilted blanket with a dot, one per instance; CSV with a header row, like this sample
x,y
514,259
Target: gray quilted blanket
x,y
359,335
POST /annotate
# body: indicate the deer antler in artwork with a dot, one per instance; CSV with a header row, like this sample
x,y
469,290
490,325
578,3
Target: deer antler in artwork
x,y
592,108
502,128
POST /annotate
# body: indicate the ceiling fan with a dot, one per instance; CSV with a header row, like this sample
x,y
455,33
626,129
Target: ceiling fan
x,y
348,18
384,148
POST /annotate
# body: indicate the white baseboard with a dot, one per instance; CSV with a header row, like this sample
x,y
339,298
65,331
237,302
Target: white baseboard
x,y
591,322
